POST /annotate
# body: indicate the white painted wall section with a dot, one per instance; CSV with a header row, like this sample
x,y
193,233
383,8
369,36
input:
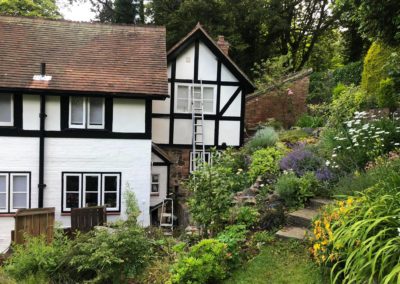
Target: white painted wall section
x,y
129,116
207,63
160,130
182,131
163,172
209,130
185,64
226,94
30,112
235,108
163,106
156,159
229,132
226,75
53,113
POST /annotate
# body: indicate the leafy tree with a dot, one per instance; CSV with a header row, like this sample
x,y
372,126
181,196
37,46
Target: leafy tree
x,y
36,8
119,11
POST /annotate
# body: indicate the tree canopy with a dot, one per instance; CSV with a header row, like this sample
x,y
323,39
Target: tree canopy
x,y
32,8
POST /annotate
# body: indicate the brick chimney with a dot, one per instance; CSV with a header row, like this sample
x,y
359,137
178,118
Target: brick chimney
x,y
223,45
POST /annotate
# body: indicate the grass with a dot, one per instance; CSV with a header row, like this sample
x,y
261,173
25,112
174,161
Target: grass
x,y
282,262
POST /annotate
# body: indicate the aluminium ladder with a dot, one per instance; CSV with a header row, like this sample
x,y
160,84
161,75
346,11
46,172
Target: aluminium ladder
x,y
167,216
197,125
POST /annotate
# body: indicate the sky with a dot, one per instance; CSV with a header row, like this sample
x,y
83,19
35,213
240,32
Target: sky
x,y
78,11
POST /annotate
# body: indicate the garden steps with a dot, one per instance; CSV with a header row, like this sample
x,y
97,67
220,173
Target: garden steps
x,y
290,232
300,221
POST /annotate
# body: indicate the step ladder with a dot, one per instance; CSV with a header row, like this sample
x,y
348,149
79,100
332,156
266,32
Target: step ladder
x,y
198,151
167,216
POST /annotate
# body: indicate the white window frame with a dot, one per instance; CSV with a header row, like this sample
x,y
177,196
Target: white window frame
x,y
84,191
12,175
155,183
86,115
6,175
118,191
189,86
11,123
207,155
65,177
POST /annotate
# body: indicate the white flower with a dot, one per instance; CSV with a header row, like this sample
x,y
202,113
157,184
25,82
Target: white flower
x,y
334,155
396,144
398,230
327,163
356,144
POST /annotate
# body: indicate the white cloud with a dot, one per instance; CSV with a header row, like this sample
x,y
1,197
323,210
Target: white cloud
x,y
78,11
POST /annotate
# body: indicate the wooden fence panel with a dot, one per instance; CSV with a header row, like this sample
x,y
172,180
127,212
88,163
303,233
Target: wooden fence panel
x,y
85,219
34,222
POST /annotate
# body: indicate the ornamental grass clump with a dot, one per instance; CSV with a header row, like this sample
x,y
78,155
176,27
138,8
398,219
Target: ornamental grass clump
x,y
265,137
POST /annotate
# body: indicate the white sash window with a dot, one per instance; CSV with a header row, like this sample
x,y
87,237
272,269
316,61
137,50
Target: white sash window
x,y
183,98
14,191
86,112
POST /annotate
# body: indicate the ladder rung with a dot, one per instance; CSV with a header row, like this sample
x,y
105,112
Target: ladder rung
x,y
166,215
198,124
165,225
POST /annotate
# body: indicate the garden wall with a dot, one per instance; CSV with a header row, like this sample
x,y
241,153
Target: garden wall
x,y
264,105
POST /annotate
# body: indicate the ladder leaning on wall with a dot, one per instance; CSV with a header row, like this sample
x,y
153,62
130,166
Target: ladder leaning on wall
x,y
197,125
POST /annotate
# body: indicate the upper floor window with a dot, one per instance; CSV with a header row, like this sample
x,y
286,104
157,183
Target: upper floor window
x,y
6,110
185,93
86,112
14,191
91,189
155,184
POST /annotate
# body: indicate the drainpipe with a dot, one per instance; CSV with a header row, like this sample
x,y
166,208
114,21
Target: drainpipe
x,y
42,116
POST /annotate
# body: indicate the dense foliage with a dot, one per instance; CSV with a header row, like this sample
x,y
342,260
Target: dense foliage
x,y
39,8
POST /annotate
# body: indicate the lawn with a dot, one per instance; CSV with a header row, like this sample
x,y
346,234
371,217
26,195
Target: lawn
x,y
281,262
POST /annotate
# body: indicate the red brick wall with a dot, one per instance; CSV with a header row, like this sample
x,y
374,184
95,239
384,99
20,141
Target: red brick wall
x,y
284,108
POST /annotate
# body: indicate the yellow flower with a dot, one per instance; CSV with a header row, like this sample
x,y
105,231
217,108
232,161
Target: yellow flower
x,y
317,246
350,201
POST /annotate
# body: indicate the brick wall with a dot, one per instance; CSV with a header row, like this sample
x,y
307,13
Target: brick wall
x,y
285,108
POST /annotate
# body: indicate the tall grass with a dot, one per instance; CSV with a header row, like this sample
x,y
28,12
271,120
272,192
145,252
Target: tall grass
x,y
265,137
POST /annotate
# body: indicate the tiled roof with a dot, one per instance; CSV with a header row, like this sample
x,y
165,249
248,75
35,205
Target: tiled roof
x,y
83,57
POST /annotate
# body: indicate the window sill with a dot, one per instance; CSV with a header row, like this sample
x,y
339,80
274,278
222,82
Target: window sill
x,y
154,194
108,213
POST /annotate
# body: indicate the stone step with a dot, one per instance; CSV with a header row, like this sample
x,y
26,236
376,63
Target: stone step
x,y
318,202
302,217
290,232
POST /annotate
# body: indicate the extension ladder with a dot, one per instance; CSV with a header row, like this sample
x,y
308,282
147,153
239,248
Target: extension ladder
x,y
167,216
197,125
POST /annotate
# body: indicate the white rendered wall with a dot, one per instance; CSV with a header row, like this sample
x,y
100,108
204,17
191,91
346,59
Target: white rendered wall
x,y
235,108
183,131
30,112
226,75
160,130
208,63
185,64
229,133
18,154
53,113
129,115
132,158
164,105
163,172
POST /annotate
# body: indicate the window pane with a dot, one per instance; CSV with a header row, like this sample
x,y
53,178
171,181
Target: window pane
x,y
3,201
19,200
155,178
154,188
91,199
92,183
77,110
72,183
20,183
208,93
110,199
96,111
72,200
208,106
5,107
182,105
183,92
197,93
110,183
3,184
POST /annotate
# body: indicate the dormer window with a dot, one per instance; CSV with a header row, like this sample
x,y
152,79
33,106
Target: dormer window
x,y
86,112
6,110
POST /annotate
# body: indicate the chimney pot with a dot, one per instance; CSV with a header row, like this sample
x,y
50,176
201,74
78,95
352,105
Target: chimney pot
x,y
223,44
43,69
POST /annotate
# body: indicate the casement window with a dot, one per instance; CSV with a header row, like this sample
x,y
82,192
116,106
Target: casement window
x,y
91,189
195,157
14,191
86,112
6,110
155,184
183,98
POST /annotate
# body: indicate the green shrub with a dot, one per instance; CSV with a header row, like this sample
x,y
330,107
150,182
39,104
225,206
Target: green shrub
x,y
293,136
206,262
308,121
265,137
265,162
110,256
349,74
320,88
338,90
295,191
212,187
375,68
387,96
245,216
234,237
38,258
